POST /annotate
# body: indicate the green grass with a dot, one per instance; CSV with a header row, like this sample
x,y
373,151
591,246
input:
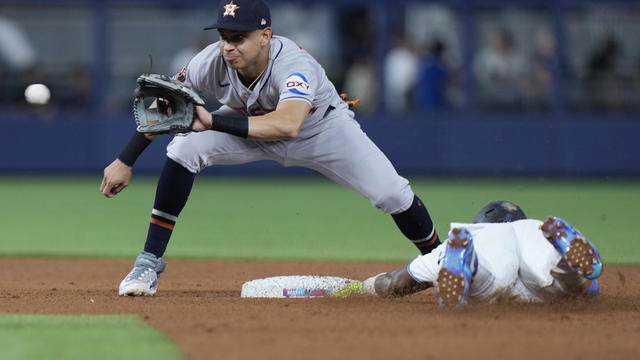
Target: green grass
x,y
291,218
82,337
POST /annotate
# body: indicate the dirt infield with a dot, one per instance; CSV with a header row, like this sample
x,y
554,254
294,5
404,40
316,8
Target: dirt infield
x,y
198,306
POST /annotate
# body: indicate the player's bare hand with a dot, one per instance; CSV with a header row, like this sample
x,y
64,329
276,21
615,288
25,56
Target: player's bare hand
x,y
116,177
203,120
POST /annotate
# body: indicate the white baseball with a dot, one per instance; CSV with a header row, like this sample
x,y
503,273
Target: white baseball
x,y
37,94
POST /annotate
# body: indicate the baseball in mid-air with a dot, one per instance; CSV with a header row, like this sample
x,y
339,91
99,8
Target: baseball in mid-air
x,y
37,94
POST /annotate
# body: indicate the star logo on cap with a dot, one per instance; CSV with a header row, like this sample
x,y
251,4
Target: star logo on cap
x,y
230,9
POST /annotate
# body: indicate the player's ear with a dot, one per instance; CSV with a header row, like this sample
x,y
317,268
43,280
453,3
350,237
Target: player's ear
x,y
266,35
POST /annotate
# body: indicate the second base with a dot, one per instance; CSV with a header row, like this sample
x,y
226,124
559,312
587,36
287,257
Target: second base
x,y
294,286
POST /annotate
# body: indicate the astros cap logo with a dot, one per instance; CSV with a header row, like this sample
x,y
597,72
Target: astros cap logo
x,y
241,15
230,9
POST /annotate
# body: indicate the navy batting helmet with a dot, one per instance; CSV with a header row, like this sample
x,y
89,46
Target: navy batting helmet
x,y
499,211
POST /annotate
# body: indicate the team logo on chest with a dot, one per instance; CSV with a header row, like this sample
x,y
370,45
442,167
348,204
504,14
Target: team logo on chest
x,y
230,9
298,84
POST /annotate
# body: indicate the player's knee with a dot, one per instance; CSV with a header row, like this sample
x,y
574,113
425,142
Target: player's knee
x,y
395,200
186,154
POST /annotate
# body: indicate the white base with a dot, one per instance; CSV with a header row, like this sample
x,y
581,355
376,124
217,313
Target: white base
x,y
295,286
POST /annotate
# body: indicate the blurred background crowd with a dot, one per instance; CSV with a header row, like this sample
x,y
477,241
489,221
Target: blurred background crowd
x,y
414,56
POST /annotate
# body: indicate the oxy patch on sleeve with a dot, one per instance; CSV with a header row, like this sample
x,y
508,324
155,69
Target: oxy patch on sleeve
x,y
298,84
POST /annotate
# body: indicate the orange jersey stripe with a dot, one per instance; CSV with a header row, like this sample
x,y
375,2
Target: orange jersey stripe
x,y
161,223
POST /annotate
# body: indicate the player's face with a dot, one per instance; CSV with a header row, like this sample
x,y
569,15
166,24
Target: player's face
x,y
241,49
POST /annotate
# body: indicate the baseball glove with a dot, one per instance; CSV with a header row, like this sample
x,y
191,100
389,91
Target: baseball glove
x,y
175,109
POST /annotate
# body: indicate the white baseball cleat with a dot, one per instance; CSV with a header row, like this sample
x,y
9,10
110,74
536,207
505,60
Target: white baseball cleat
x,y
142,280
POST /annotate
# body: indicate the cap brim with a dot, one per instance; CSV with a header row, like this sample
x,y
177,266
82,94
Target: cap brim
x,y
237,27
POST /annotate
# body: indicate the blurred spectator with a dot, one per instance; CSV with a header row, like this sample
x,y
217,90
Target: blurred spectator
x,y
541,67
360,82
185,55
76,92
636,84
359,79
314,26
602,73
499,71
400,70
18,61
16,51
427,21
357,40
432,81
602,62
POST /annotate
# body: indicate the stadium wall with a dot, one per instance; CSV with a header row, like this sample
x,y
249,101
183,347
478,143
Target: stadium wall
x,y
427,144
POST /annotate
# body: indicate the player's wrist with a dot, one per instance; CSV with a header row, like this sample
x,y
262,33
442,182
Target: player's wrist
x,y
136,145
238,126
121,163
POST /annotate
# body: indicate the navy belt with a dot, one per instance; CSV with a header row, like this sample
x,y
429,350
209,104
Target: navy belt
x,y
328,110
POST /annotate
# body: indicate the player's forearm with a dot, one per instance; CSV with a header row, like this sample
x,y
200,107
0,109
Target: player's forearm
x,y
269,127
283,123
396,283
264,127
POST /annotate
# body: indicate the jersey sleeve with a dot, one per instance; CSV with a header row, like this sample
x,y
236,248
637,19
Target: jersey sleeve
x,y
195,73
297,83
193,76
189,77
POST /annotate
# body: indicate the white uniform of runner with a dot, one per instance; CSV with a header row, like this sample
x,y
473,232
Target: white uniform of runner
x,y
330,140
514,260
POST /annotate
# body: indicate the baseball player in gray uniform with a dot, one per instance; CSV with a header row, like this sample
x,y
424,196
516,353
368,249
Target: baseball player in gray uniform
x,y
502,254
278,104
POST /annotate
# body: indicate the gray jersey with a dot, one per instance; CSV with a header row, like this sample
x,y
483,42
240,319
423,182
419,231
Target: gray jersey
x,y
330,142
291,74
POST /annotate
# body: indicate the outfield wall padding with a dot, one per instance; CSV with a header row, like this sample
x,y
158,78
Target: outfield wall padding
x,y
418,144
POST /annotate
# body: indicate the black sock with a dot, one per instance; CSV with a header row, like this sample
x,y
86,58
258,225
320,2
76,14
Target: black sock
x,y
416,224
172,193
